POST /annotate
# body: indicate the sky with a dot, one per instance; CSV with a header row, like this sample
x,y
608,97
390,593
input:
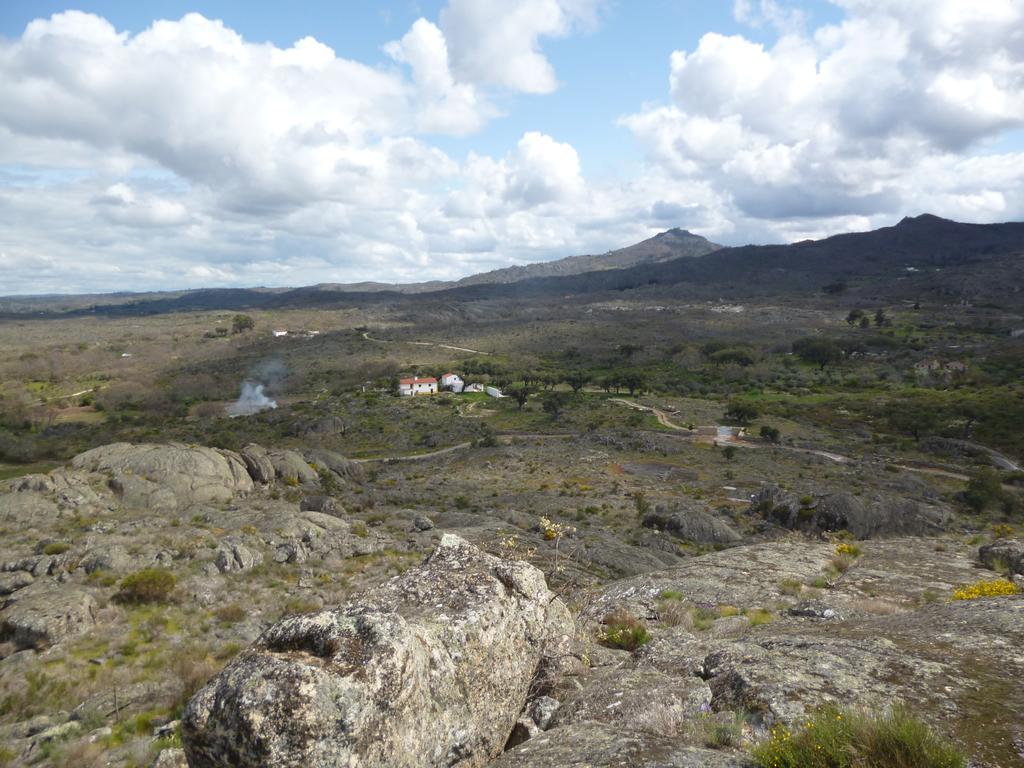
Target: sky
x,y
164,145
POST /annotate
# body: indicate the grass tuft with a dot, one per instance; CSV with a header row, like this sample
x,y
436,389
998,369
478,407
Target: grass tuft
x,y
839,738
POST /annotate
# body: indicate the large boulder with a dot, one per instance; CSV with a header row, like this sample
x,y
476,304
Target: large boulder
x,y
881,516
691,524
290,467
431,669
344,469
257,462
168,476
46,612
1003,555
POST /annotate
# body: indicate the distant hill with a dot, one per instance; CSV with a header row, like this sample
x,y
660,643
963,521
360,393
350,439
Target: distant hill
x,y
673,244
921,257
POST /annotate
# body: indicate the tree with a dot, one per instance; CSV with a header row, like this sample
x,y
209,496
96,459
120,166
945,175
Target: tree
x,y
913,417
839,286
855,316
819,351
554,403
633,381
729,452
984,490
242,323
865,322
740,357
770,434
577,380
520,394
880,318
740,412
629,350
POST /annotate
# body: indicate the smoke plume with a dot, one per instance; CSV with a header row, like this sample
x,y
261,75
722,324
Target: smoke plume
x,y
252,400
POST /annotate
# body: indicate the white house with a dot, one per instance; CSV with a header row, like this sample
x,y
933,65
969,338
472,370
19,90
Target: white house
x,y
453,382
410,387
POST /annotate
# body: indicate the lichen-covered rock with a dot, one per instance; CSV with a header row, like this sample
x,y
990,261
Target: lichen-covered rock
x,y
170,758
46,612
168,476
691,524
1003,554
598,745
430,669
235,556
14,580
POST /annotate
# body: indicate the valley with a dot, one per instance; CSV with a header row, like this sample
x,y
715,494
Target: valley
x,y
754,484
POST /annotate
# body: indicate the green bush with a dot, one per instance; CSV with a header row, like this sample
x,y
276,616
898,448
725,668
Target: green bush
x,y
150,585
56,548
840,738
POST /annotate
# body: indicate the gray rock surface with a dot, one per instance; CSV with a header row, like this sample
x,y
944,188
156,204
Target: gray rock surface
x,y
168,476
45,613
864,518
257,463
431,669
344,469
598,745
691,524
1003,553
235,556
292,468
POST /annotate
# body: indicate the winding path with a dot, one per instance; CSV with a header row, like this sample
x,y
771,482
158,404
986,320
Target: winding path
x,y
368,337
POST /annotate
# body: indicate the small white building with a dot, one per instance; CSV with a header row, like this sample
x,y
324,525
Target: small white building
x,y
473,388
280,332
410,387
493,391
453,382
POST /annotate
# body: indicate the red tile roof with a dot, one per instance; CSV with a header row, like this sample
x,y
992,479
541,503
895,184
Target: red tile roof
x,y
430,380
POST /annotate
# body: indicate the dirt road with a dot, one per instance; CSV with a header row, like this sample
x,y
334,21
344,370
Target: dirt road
x,y
368,337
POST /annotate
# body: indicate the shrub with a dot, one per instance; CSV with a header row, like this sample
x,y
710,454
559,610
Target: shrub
x,y
231,613
623,630
835,738
150,585
759,616
1002,530
56,548
790,587
847,549
986,588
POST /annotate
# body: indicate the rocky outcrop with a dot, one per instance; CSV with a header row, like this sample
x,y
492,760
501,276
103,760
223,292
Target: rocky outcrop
x,y
691,524
1003,555
46,612
345,470
236,556
596,745
882,516
168,477
431,669
292,469
257,462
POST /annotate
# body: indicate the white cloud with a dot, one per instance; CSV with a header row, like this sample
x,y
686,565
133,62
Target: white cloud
x,y
873,117
444,105
185,155
497,41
